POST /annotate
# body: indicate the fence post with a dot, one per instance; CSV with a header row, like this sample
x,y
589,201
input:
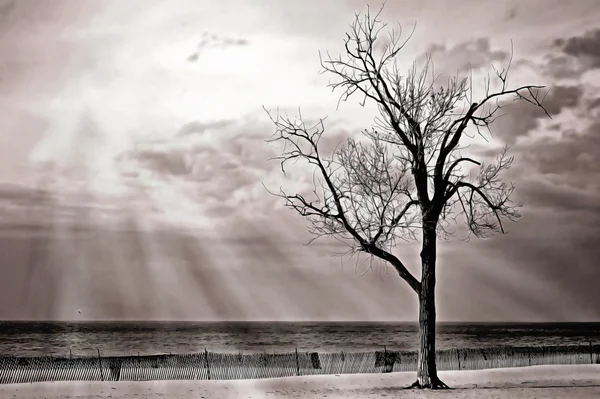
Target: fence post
x,y
387,364
100,364
385,359
529,354
591,353
458,356
207,364
70,355
297,364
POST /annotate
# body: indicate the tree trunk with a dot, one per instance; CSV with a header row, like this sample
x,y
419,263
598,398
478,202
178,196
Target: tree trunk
x,y
427,371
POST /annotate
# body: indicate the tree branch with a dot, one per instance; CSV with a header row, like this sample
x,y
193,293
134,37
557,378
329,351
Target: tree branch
x,y
397,264
372,194
455,164
489,198
362,188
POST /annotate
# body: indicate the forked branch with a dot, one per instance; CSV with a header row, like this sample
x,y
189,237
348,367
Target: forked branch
x,y
358,192
487,201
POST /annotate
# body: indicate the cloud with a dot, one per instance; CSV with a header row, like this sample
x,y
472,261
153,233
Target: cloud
x,y
561,97
462,57
163,162
223,164
552,246
576,153
33,211
594,104
21,195
211,40
579,54
231,251
520,119
22,208
559,196
201,127
6,7
218,166
557,179
586,47
561,67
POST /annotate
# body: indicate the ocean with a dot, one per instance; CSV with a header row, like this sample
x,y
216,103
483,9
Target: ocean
x,y
148,338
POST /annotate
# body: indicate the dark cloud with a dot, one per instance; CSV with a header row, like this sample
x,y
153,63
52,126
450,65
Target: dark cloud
x,y
519,118
561,67
31,211
6,7
554,196
24,196
172,163
578,54
594,104
22,208
561,97
576,154
586,47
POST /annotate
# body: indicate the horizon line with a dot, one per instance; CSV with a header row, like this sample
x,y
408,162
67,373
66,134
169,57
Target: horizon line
x,y
285,321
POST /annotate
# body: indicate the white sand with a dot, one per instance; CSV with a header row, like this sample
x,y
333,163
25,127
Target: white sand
x,y
560,382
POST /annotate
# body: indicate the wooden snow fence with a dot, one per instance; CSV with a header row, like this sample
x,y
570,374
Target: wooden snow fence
x,y
227,366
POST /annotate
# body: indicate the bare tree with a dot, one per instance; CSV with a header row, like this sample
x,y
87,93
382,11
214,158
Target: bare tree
x,y
407,176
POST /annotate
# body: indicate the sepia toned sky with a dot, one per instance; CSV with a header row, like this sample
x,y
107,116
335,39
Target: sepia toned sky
x,y
133,161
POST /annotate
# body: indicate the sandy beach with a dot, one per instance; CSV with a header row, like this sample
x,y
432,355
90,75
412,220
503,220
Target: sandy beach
x,y
576,381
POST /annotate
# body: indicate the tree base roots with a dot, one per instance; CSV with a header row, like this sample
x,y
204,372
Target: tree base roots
x,y
436,383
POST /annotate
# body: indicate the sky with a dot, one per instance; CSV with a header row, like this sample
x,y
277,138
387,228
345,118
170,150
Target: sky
x,y
134,157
